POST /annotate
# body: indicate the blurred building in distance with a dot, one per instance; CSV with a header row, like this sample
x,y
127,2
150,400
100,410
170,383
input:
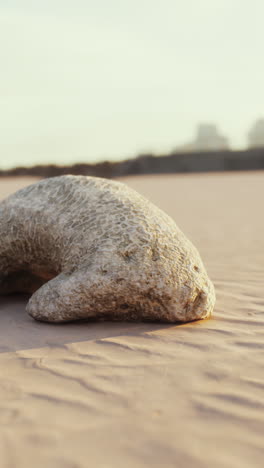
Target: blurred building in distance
x,y
256,135
207,138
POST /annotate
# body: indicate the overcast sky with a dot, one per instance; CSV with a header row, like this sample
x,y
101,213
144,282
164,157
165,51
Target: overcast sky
x,y
85,80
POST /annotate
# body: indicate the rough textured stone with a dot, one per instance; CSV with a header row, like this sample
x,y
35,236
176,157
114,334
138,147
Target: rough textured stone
x,y
89,247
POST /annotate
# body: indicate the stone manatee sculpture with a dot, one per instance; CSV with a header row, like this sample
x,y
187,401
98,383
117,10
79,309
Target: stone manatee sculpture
x,y
90,247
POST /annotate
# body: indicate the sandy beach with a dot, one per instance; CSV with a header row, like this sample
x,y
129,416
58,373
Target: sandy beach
x,y
115,395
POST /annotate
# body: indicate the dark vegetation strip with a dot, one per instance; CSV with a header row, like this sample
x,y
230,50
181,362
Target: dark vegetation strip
x,y
246,160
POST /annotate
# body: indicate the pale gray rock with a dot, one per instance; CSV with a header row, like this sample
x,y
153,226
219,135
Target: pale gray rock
x,y
88,247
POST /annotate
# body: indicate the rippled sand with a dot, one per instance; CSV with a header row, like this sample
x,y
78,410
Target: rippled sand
x,y
114,395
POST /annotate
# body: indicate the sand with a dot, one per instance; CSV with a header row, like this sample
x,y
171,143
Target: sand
x,y
115,395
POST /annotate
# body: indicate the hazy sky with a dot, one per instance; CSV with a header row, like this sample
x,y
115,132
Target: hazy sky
x,y
83,80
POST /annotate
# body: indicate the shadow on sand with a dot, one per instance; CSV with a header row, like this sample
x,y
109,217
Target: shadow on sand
x,y
18,331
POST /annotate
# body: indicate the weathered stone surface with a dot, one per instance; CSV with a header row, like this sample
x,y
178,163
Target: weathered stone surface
x,y
89,247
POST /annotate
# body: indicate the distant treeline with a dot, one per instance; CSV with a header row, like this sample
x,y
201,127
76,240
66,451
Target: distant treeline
x,y
252,159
